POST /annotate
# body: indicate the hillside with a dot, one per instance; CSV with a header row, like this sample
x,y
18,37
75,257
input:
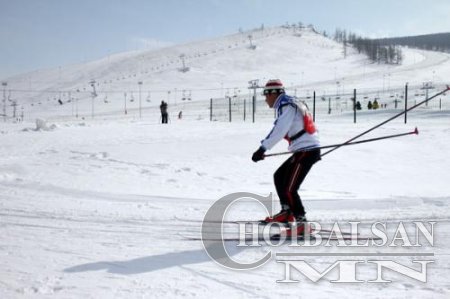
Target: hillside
x,y
218,68
432,42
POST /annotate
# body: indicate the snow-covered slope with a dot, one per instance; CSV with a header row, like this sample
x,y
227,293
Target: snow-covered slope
x,y
302,59
102,210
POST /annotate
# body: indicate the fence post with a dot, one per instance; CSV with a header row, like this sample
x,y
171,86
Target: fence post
x,y
229,107
253,85
354,106
245,106
210,109
329,105
406,103
254,105
314,106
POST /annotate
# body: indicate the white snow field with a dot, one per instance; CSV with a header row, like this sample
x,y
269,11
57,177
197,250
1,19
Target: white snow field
x,y
103,207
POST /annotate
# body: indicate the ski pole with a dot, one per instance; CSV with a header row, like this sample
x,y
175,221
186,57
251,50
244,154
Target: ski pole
x,y
386,121
415,132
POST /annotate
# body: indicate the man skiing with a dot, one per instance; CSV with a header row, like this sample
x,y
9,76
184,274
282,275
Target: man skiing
x,y
295,124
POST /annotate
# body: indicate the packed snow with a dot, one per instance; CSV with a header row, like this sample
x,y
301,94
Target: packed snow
x,y
102,207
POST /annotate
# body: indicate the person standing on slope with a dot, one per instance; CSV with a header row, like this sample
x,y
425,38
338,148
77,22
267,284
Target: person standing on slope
x,y
164,113
295,124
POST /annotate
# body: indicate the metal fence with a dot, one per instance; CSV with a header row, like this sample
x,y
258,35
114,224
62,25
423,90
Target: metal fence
x,y
323,103
61,105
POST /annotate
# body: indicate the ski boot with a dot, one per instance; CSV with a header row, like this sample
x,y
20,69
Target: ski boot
x,y
284,216
299,228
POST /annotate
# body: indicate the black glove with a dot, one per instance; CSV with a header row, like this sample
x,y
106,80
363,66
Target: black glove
x,y
258,155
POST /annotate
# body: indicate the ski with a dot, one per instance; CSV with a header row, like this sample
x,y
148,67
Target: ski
x,y
278,238
348,237
259,222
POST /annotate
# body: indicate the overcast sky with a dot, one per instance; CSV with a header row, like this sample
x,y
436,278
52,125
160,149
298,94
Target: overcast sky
x,y
38,34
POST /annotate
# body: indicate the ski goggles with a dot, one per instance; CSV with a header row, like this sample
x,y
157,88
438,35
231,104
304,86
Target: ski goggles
x,y
272,91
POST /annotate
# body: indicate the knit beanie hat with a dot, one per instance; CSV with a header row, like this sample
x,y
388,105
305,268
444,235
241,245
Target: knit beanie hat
x,y
273,86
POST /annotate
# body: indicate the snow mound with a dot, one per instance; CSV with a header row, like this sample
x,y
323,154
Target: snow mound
x,y
41,125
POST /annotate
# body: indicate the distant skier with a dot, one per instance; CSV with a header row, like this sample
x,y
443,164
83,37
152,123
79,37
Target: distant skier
x,y
164,113
295,124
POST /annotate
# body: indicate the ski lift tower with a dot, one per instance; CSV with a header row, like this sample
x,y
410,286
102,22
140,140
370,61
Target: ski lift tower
x,y
4,84
184,68
140,102
94,95
254,84
427,86
252,46
14,105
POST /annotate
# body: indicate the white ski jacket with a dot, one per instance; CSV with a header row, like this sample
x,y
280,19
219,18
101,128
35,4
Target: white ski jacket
x,y
289,122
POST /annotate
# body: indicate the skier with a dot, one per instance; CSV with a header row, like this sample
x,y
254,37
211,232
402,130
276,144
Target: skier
x,y
295,124
164,114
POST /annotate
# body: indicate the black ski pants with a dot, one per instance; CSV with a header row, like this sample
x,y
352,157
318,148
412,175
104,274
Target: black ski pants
x,y
164,117
289,177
